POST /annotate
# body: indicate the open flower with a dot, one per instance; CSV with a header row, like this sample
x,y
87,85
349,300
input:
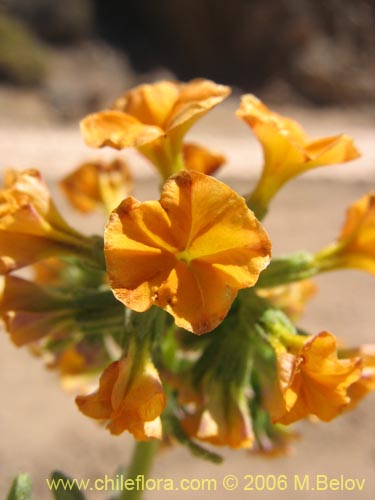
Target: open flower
x,y
31,228
288,151
188,253
98,183
314,381
130,397
154,119
355,247
30,312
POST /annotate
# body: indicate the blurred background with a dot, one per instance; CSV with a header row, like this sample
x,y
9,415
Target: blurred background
x,y
68,58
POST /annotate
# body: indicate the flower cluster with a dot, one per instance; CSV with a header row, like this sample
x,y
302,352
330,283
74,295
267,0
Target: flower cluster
x,y
178,324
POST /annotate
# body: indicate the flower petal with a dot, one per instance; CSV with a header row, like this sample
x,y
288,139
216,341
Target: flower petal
x,y
189,254
331,150
196,98
117,130
98,404
151,104
202,159
320,380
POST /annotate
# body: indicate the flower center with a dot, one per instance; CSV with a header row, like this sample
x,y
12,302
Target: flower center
x,y
184,256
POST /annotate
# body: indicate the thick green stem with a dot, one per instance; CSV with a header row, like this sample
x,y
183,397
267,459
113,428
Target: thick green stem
x,y
140,465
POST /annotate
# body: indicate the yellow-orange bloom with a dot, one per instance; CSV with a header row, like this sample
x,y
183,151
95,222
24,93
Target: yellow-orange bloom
x,y
313,381
188,253
31,228
290,298
98,183
30,312
355,247
202,159
222,420
49,271
130,398
215,412
154,119
288,151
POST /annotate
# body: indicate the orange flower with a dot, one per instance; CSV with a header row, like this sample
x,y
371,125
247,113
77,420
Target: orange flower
x,y
355,247
288,151
313,381
30,312
49,271
154,119
221,415
130,397
215,411
290,298
98,183
201,159
31,228
189,253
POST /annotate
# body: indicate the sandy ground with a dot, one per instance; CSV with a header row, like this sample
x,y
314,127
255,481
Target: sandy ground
x,y
40,427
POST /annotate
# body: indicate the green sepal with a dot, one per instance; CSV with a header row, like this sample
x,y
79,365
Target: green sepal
x,y
295,267
73,493
21,488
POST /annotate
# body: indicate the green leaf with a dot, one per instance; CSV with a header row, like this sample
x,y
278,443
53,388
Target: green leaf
x,y
65,488
21,488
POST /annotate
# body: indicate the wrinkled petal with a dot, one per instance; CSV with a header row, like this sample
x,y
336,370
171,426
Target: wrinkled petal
x,y
130,397
154,118
98,405
117,130
151,104
31,228
319,381
196,98
331,151
189,253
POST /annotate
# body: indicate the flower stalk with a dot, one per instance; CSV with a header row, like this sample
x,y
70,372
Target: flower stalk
x,y
140,465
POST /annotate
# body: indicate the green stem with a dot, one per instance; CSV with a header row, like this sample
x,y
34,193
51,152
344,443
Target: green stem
x,y
258,201
140,465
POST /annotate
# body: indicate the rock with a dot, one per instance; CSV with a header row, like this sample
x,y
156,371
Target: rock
x,y
56,21
323,49
85,78
23,59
